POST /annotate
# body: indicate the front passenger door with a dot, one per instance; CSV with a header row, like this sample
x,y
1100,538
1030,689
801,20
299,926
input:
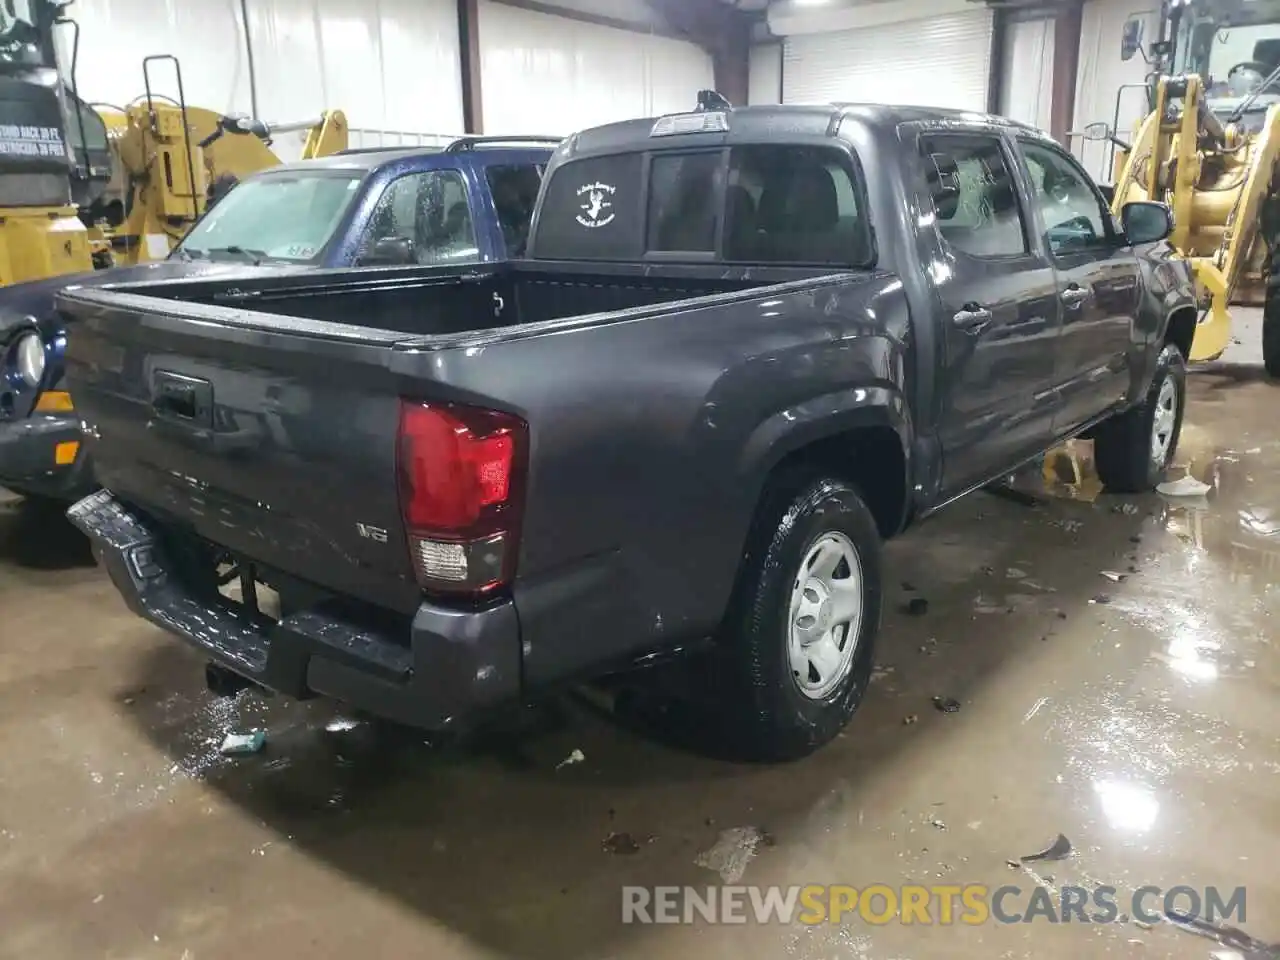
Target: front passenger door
x,y
1098,283
421,218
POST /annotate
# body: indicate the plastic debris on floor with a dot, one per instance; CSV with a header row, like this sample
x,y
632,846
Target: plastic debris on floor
x,y
242,744
1060,849
1187,486
733,850
576,756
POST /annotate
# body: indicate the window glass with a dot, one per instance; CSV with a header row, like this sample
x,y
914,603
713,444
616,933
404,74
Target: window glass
x,y
793,204
429,211
684,200
282,216
974,194
515,190
1069,204
593,211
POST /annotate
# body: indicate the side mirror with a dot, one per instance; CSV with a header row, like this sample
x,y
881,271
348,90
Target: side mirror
x,y
1131,38
390,252
1101,131
1097,131
1146,222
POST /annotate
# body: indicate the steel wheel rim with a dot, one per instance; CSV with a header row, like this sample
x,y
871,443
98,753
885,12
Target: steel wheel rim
x,y
824,619
1164,420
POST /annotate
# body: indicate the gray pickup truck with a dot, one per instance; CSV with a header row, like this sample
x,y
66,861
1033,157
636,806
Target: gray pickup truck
x,y
748,345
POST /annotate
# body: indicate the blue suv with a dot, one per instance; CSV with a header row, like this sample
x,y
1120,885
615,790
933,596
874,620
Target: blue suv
x,y
470,201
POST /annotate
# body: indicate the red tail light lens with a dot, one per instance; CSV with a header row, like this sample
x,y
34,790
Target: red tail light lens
x,y
461,473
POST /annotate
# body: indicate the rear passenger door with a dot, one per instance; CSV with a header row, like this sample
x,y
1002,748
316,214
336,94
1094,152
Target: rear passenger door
x,y
1098,284
999,310
513,191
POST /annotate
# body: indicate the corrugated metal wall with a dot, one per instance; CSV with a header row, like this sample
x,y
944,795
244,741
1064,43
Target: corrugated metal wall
x,y
116,34
391,65
546,74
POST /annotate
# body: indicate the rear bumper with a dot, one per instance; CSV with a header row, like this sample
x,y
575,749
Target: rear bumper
x,y
453,663
28,462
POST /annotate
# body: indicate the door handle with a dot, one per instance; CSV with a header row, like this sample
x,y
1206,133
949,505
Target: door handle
x,y
972,317
1074,295
183,398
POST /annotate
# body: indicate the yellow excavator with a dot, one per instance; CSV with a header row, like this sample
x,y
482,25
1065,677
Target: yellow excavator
x,y
169,161
1209,148
86,185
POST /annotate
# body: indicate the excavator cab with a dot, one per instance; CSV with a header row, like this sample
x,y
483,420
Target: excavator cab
x,y
40,234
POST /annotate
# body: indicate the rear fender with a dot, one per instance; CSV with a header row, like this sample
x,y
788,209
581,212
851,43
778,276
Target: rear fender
x,y
821,418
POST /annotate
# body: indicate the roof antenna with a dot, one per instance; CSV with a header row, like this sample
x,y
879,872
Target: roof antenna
x,y
709,100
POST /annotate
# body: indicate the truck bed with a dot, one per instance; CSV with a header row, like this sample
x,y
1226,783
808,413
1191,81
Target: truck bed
x,y
447,300
260,413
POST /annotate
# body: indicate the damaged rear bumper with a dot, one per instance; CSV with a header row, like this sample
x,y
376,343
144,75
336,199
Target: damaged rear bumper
x,y
450,663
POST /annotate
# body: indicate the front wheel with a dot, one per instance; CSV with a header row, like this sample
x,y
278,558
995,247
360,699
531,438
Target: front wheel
x,y
1133,449
798,642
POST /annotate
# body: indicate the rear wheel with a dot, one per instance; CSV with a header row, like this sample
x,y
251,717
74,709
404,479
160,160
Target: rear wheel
x,y
798,642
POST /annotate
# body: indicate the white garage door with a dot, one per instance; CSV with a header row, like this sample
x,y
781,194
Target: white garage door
x,y
939,62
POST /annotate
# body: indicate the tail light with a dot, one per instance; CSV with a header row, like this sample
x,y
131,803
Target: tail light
x,y
461,476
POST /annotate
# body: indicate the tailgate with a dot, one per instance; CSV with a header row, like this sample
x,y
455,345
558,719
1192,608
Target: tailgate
x,y
271,436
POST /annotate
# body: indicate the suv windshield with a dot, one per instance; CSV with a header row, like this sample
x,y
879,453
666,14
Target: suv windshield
x,y
277,217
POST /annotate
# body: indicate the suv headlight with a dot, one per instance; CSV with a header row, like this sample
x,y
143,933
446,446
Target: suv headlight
x,y
31,359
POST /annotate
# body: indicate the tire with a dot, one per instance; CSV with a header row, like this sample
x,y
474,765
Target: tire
x,y
773,713
1271,311
1127,454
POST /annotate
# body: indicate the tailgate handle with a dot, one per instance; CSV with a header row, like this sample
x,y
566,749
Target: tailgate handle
x,y
182,398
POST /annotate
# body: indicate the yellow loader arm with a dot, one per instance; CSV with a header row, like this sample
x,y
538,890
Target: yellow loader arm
x,y
1215,181
327,137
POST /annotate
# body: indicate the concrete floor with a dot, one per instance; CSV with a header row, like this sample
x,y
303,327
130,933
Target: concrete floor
x,y
1146,729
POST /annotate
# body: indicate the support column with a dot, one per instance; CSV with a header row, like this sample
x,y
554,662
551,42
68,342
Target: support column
x,y
469,65
731,63
1066,62
722,31
999,46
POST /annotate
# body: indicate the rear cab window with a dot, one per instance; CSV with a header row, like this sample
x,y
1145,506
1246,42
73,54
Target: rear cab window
x,y
780,204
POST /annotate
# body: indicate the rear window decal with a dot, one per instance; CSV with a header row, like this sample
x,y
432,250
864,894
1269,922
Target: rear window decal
x,y
597,211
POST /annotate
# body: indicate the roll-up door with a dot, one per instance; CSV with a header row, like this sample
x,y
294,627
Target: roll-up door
x,y
942,61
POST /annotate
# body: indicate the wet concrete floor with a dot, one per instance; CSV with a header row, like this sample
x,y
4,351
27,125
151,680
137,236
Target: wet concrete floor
x,y
1145,729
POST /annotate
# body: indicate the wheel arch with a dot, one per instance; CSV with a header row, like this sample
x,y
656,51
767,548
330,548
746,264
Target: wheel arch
x,y
1180,328
860,436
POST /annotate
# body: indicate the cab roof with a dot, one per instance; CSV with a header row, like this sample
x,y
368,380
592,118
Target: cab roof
x,y
777,122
